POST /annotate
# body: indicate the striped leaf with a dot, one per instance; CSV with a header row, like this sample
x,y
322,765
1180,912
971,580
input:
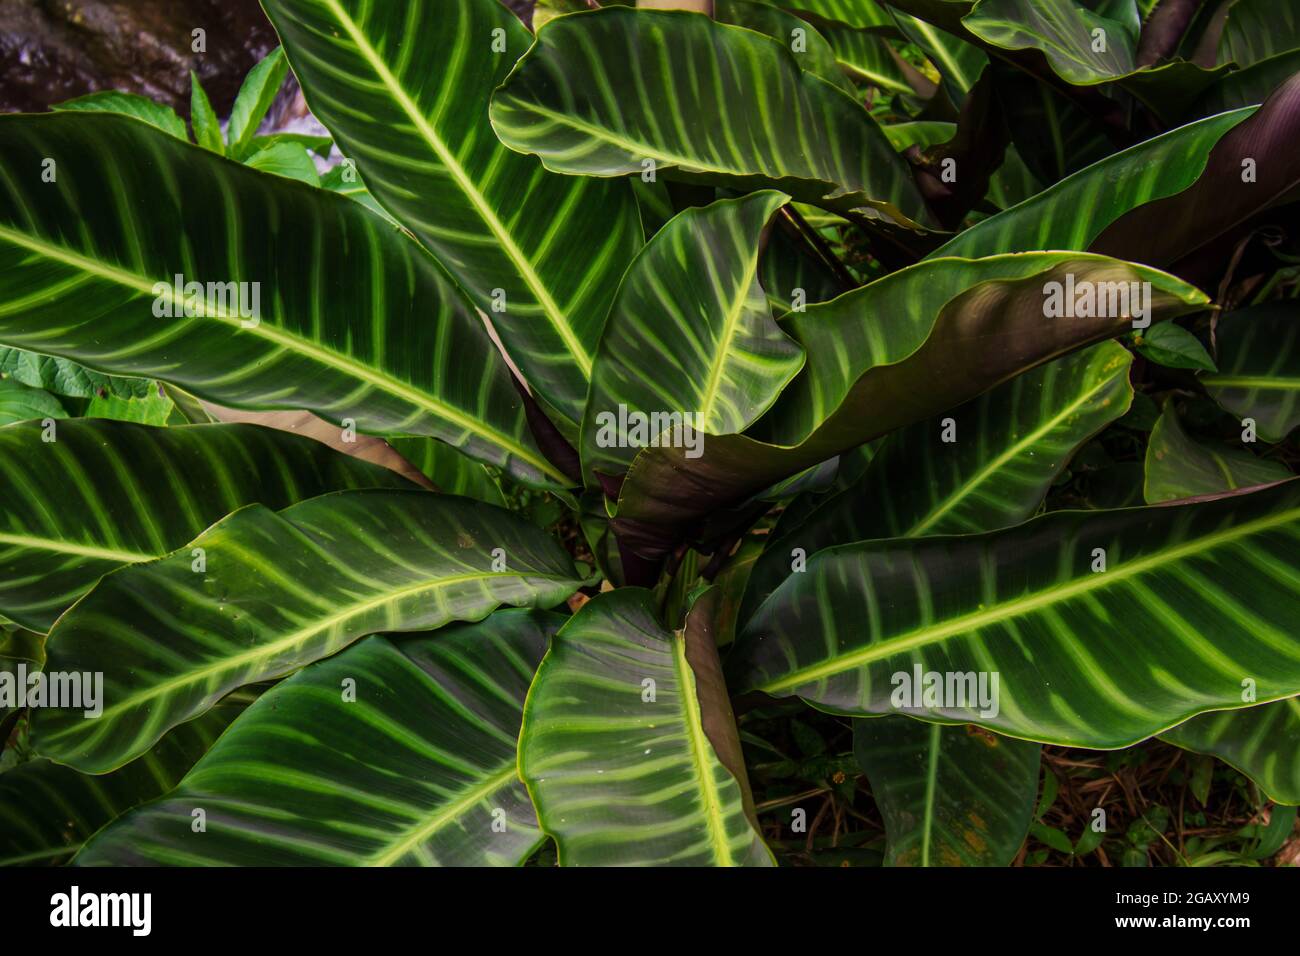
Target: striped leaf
x,y
614,748
104,494
19,648
1262,742
602,93
1179,466
1249,86
541,254
1258,29
868,58
858,14
1211,587
810,48
47,811
692,311
1075,211
958,62
410,761
865,379
1010,445
1259,367
354,322
260,594
1065,32
949,796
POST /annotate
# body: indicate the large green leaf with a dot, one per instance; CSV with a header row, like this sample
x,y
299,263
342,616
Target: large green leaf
x,y
1072,213
958,62
908,360
868,58
949,796
1258,29
615,751
1179,466
690,311
47,811
1262,742
858,14
413,115
1259,367
260,594
1251,85
104,494
19,403
1211,587
356,323
1010,445
811,50
393,753
599,94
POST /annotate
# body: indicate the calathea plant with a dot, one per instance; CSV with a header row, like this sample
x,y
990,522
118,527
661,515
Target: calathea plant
x,y
931,364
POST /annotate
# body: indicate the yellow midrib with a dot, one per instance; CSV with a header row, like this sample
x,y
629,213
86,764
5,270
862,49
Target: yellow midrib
x,y
68,547
700,748
145,286
447,814
1011,609
468,187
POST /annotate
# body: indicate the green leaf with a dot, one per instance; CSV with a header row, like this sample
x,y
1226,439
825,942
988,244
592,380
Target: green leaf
x,y
48,811
1262,742
540,254
1066,33
356,322
949,796
1075,211
1209,586
153,409
449,470
107,493
416,768
19,402
289,160
868,58
865,379
207,127
255,97
1011,444
1173,346
1259,367
810,49
260,594
922,134
1258,29
1178,466
958,62
858,14
66,378
1249,86
615,751
691,308
322,146
587,100
18,647
128,104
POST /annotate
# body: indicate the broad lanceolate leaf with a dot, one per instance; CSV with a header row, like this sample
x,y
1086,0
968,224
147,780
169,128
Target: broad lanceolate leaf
x,y
891,353
949,796
1262,742
858,14
811,50
1173,346
868,58
207,127
1258,29
690,335
614,749
1210,587
1072,213
1179,466
393,753
602,94
1008,447
300,299
1259,367
260,594
103,494
47,811
541,254
255,96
